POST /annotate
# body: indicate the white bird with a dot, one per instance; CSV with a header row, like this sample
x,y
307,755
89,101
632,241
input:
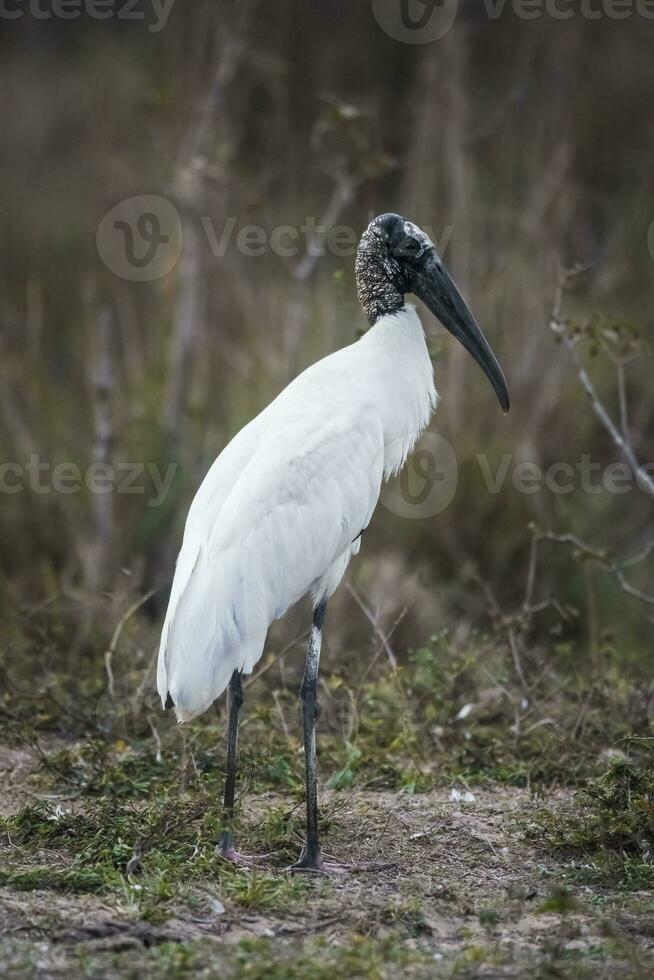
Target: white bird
x,y
281,511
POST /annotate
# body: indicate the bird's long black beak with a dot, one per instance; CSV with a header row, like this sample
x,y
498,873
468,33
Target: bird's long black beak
x,y
433,284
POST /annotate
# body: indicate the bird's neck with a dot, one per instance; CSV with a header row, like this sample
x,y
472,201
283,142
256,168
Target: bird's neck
x,y
403,389
382,302
378,295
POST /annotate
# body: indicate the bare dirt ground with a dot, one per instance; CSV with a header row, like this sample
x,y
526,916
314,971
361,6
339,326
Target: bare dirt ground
x,y
465,896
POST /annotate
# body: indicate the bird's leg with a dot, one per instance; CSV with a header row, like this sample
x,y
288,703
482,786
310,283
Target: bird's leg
x,y
226,842
311,859
225,846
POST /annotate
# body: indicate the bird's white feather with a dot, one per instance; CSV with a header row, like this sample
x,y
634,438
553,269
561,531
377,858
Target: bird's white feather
x,y
279,512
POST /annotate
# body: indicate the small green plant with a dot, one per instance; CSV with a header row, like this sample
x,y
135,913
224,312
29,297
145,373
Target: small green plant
x,y
264,891
560,900
343,778
489,918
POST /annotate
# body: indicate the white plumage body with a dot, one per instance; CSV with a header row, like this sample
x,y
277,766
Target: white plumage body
x,y
280,512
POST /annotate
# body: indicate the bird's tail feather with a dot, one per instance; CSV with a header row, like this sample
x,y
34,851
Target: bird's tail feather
x,y
216,623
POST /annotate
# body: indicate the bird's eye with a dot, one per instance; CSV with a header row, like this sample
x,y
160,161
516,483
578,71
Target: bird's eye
x,y
412,247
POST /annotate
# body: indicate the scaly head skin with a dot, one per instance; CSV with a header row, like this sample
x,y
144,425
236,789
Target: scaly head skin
x,y
395,257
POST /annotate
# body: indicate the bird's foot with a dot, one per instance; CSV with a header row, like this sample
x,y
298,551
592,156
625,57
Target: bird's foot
x,y
310,861
313,863
243,860
317,868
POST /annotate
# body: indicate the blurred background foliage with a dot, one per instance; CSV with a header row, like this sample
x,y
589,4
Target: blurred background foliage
x,y
524,145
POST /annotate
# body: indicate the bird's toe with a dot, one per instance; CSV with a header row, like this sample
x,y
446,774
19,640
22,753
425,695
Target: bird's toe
x,y
237,858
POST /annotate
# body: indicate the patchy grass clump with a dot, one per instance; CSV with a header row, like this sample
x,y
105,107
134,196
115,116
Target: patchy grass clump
x,y
75,880
614,812
110,833
154,855
101,768
610,824
264,891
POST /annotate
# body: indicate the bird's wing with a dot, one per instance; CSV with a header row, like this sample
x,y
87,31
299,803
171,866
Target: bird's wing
x,y
202,515
309,481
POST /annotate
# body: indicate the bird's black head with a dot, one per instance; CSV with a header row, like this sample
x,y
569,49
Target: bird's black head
x,y
389,250
395,257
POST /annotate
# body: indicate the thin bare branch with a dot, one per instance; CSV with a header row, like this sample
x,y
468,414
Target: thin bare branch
x,y
111,649
559,327
373,620
275,660
607,564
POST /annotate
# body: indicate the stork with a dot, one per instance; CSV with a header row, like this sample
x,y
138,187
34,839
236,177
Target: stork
x,y
281,511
